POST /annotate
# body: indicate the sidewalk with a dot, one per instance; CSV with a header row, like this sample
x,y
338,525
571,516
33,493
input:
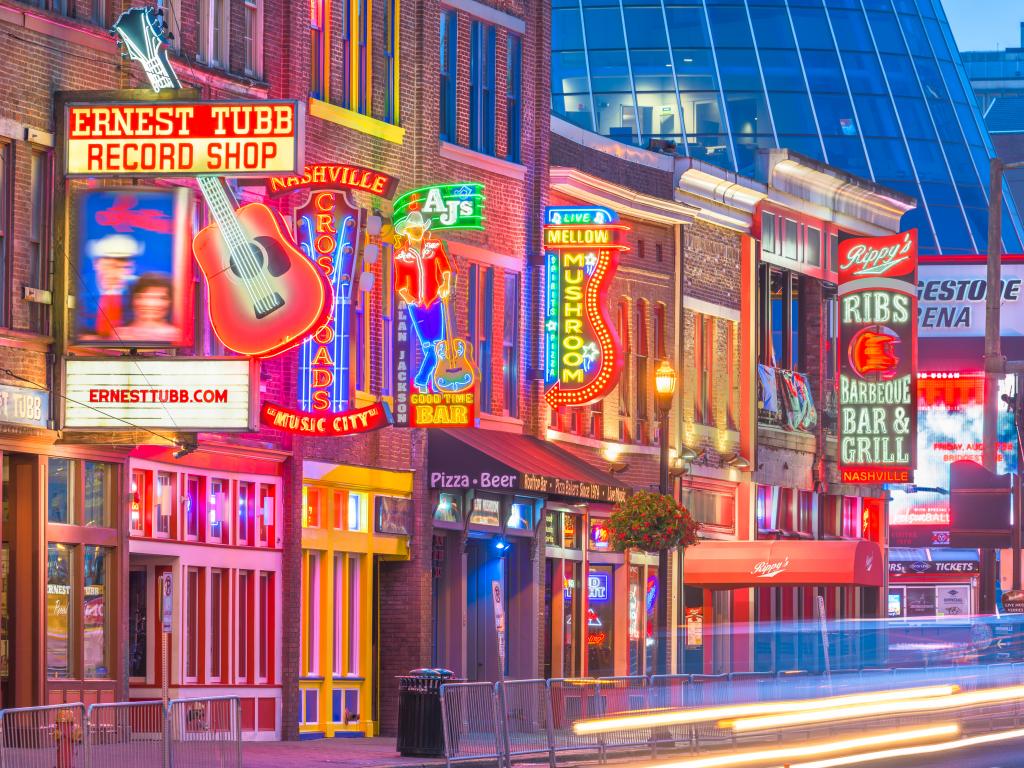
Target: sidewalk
x,y
336,753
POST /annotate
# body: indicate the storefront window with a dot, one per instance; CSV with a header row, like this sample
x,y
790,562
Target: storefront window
x,y
192,508
651,637
99,494
486,512
354,594
449,508
600,539
218,510
137,624
58,490
571,526
356,511
266,513
636,622
600,621
246,507
570,633
311,503
58,614
95,612
192,623
164,502
920,601
521,514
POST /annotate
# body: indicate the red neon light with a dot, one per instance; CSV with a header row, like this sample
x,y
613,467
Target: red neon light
x,y
874,475
333,176
872,352
353,422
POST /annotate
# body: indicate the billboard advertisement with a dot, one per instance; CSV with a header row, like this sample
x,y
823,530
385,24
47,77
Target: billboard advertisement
x,y
133,267
878,358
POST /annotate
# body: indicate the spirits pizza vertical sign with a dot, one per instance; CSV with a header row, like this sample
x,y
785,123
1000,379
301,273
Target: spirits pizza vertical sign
x,y
878,358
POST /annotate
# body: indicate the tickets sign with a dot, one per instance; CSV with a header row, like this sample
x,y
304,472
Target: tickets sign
x,y
583,355
878,358
184,138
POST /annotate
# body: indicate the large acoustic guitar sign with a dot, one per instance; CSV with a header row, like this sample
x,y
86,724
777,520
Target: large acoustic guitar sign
x,y
265,296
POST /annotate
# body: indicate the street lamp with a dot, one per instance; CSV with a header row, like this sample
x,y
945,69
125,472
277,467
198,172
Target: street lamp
x,y
665,388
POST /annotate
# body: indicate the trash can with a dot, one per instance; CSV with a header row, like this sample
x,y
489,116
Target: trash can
x,y
420,728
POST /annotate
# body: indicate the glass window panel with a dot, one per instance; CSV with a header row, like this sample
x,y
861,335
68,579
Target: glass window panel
x,y
59,614
876,115
356,519
59,490
917,38
888,37
645,28
847,153
604,28
781,70
909,188
852,30
812,29
566,30
588,4
823,72
945,120
771,28
713,149
916,121
659,114
729,27
939,45
568,72
968,124
695,69
1012,243
701,112
449,508
98,502
746,151
652,70
835,114
574,107
919,219
738,70
485,512
687,27
748,113
863,72
805,145
936,193
971,195
609,71
929,161
95,630
890,160
792,113
951,78
908,6
615,115
951,229
900,75
565,3
931,81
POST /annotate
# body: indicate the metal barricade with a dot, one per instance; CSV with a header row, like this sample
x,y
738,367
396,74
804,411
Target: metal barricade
x,y
205,733
669,692
526,714
44,737
127,733
619,695
471,721
573,699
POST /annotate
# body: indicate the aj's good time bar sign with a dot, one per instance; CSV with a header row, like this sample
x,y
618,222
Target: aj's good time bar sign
x,y
583,355
878,358
186,138
179,393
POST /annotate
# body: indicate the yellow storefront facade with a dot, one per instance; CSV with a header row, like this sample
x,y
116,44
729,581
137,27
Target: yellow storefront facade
x,y
353,517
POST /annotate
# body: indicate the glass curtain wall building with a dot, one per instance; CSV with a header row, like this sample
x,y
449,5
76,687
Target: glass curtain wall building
x,y
874,87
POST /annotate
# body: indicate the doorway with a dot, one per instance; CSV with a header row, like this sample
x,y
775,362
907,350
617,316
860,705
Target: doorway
x,y
484,565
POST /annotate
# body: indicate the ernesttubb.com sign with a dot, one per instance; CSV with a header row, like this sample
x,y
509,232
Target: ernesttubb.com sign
x,y
192,394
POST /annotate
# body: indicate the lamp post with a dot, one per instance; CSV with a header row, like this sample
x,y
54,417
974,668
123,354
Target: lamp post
x,y
665,388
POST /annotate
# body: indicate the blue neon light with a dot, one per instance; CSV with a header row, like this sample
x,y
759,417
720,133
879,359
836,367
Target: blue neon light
x,y
598,588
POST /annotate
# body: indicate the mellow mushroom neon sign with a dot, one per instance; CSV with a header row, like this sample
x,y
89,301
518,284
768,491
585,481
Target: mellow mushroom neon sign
x,y
583,356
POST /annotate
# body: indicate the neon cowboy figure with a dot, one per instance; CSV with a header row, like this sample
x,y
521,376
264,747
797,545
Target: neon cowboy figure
x,y
423,279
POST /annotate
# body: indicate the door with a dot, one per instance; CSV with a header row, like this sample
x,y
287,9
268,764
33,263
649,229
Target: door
x,y
483,566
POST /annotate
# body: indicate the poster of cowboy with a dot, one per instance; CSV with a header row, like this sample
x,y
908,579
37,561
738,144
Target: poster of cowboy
x,y
133,268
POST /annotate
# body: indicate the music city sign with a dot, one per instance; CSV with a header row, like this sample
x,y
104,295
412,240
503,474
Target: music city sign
x,y
878,358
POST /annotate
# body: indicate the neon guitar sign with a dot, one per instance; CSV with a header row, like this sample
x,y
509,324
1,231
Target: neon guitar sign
x,y
265,295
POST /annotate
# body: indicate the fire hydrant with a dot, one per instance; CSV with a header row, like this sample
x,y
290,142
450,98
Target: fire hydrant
x,y
66,733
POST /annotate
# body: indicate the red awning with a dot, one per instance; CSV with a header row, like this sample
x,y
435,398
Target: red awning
x,y
728,564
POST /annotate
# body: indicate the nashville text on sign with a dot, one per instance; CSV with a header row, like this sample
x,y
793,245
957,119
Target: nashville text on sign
x,y
183,138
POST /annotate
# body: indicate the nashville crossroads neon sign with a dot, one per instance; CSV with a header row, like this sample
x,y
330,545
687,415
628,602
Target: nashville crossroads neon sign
x,y
583,355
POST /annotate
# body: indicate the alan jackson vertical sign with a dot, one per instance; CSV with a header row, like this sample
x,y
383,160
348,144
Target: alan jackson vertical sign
x,y
878,358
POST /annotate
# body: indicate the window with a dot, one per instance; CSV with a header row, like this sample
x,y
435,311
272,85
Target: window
x,y
98,497
172,16
99,13
712,507
338,634
265,631
362,333
6,192
39,237
704,349
59,490
807,512
640,358
311,626
481,87
317,49
59,616
387,311
192,628
513,95
163,503
622,327
137,507
217,584
253,43
193,500
214,31
481,323
245,629
312,504
246,511
218,511
354,563
510,345
659,332
364,53
266,515
780,335
446,100
390,113
356,511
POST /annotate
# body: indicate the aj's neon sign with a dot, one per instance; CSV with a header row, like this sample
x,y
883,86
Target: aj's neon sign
x,y
583,355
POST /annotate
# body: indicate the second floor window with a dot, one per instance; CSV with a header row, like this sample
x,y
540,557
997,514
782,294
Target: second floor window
x,y
39,237
780,333
446,100
704,359
481,328
510,345
6,188
640,358
253,22
214,32
317,50
390,111
513,91
481,87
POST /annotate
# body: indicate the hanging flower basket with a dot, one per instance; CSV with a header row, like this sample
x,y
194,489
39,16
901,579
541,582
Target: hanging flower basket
x,y
651,522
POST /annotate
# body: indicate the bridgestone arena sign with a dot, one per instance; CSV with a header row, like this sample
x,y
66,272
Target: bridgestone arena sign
x,y
878,359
